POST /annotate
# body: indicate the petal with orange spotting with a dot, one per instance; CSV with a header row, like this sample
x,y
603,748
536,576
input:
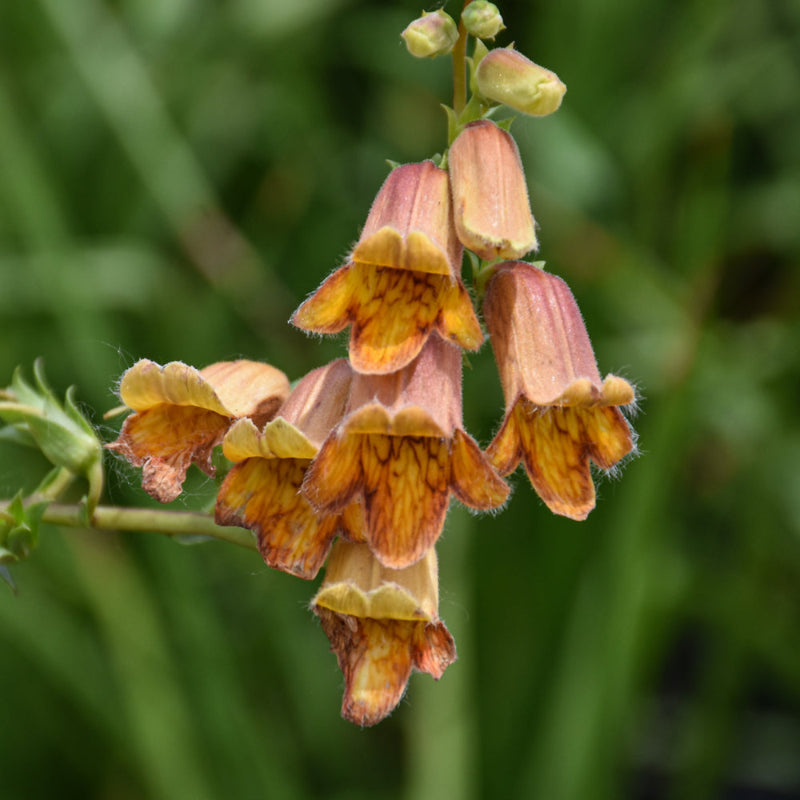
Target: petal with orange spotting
x,y
376,657
328,310
556,445
263,494
382,623
334,478
165,440
392,313
474,481
403,483
182,414
406,494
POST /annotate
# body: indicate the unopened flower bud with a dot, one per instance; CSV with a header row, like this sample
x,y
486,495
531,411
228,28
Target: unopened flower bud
x,y
431,35
482,19
61,432
506,76
490,197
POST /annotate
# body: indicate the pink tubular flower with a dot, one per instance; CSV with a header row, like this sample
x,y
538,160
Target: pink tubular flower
x,y
490,197
382,624
183,413
559,413
400,451
402,282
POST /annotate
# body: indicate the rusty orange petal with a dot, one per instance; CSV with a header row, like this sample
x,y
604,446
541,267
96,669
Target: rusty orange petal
x,y
165,440
182,414
334,478
556,445
377,656
474,481
330,308
382,624
402,483
392,311
406,493
263,494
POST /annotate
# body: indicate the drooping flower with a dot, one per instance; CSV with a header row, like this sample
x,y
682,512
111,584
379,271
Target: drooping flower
x,y
560,414
182,413
402,281
491,209
262,490
400,451
382,624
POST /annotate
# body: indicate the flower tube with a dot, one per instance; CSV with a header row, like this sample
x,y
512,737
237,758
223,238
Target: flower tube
x,y
560,414
402,282
182,413
401,450
262,490
490,197
382,624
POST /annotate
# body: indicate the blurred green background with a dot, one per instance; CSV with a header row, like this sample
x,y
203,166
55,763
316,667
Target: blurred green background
x,y
175,176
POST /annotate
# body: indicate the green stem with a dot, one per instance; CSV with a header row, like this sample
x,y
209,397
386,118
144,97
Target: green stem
x,y
146,520
459,54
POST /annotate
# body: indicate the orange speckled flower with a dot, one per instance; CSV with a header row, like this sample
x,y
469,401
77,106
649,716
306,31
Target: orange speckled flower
x,y
382,624
402,282
559,412
182,413
262,490
401,450
490,197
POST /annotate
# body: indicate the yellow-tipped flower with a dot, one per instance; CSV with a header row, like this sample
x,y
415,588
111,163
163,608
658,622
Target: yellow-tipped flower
x,y
431,35
262,490
403,280
560,414
400,451
506,76
490,197
382,624
182,413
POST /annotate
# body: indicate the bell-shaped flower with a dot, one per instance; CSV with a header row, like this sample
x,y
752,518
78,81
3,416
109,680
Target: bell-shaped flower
x,y
491,209
261,491
402,281
400,451
382,624
560,414
182,413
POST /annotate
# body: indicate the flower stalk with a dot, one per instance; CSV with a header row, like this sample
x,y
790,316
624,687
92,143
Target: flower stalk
x,y
165,522
353,467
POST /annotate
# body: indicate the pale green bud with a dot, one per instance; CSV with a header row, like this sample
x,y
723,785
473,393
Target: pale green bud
x,y
505,76
58,429
431,35
482,19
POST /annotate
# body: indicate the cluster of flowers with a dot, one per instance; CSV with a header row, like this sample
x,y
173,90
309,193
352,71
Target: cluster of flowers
x,y
356,464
